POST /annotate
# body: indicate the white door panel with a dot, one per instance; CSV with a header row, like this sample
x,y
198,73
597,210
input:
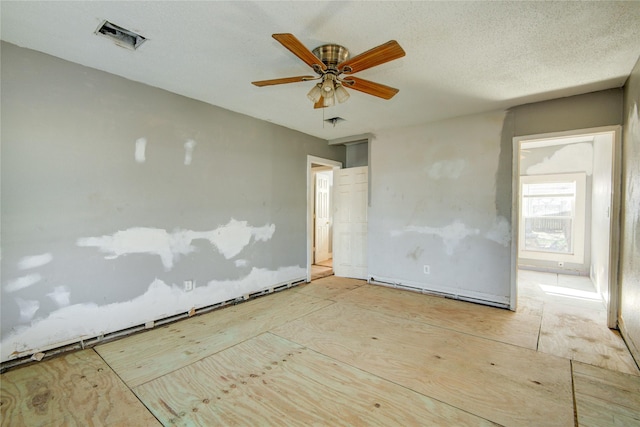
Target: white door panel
x,y
323,216
350,223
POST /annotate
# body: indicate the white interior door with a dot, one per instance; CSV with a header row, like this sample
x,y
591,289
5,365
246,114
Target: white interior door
x,y
350,223
323,216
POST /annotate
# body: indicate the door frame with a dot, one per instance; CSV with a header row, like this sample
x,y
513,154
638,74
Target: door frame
x,y
313,160
614,223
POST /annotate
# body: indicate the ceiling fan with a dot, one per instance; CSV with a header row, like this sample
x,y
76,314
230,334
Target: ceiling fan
x,y
330,62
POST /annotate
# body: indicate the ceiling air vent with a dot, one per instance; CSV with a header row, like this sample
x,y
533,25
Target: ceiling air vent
x,y
334,120
120,36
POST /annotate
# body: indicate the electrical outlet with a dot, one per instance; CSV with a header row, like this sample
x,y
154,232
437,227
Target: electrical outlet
x,y
427,269
189,285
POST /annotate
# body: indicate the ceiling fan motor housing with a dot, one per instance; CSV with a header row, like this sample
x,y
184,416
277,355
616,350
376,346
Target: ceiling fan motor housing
x,y
331,54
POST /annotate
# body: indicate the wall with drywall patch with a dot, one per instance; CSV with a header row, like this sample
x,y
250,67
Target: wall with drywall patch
x,y
630,245
441,198
114,193
442,194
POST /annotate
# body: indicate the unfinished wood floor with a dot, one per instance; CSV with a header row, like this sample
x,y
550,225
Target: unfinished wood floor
x,y
342,352
322,269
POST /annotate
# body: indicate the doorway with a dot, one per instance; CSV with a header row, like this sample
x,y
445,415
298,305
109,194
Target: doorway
x,y
566,217
322,222
320,216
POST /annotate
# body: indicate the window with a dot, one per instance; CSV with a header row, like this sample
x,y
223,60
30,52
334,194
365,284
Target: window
x,y
552,217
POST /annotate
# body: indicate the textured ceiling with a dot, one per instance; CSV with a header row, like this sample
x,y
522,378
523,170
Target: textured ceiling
x,y
462,57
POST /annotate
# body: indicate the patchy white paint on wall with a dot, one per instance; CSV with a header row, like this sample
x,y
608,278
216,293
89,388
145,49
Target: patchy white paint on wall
x,y
60,296
450,169
159,301
34,261
229,240
23,282
27,309
500,231
263,233
188,151
153,241
451,234
141,147
572,158
241,263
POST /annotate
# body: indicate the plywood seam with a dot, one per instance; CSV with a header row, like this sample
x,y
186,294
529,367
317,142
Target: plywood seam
x,y
540,327
573,394
135,382
125,384
442,327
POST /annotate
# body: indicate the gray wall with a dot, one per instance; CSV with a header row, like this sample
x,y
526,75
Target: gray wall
x,y
357,155
630,245
593,109
441,196
114,193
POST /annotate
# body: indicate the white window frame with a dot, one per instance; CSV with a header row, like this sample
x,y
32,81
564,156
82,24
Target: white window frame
x,y
578,223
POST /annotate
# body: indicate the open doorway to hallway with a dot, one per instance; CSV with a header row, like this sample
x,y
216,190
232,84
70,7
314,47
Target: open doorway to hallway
x,y
320,209
322,222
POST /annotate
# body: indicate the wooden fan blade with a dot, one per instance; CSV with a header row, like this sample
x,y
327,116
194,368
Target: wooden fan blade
x,y
372,88
378,55
298,49
319,104
283,80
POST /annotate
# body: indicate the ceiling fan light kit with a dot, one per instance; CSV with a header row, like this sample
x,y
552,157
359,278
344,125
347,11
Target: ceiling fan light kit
x,y
330,61
341,93
315,93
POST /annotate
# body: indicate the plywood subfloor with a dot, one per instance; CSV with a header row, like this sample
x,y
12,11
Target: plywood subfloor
x,y
144,357
77,389
582,335
574,321
272,381
319,271
606,398
503,383
331,288
519,328
333,352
